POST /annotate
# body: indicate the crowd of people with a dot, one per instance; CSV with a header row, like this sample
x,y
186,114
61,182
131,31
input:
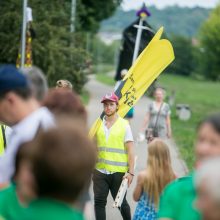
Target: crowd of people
x,y
47,160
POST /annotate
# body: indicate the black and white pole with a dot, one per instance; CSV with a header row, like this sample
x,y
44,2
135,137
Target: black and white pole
x,y
23,35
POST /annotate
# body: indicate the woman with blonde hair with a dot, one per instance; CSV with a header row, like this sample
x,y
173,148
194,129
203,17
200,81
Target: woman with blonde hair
x,y
152,180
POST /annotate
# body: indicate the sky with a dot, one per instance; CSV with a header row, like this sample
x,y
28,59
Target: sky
x,y
134,4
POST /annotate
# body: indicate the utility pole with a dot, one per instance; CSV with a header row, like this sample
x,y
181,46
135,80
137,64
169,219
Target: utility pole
x,y
73,15
23,35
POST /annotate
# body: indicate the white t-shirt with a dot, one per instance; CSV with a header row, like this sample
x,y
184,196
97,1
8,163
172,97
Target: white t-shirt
x,y
22,132
128,137
128,132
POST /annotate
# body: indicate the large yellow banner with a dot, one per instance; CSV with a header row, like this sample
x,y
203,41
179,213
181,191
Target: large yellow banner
x,y
151,62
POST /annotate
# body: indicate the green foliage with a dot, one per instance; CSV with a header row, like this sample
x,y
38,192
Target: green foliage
x,y
103,78
10,26
56,51
103,53
176,20
91,13
102,68
210,43
184,56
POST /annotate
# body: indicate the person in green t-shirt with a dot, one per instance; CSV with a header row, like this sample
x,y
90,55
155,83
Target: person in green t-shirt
x,y
45,209
15,198
10,205
62,164
177,202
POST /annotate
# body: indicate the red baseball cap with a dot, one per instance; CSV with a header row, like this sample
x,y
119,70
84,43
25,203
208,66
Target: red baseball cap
x,y
110,97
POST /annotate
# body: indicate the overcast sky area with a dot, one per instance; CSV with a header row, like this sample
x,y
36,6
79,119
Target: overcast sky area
x,y
134,4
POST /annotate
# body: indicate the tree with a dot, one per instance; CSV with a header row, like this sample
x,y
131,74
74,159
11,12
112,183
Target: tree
x,y
91,13
210,46
53,49
106,53
184,57
59,53
10,30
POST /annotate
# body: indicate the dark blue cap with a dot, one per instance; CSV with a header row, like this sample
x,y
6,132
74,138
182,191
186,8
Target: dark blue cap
x,y
11,78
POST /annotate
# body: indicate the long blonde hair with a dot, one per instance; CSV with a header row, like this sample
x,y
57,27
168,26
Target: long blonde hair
x,y
159,170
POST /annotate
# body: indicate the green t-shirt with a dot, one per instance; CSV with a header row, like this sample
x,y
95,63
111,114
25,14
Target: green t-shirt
x,y
49,209
10,207
178,200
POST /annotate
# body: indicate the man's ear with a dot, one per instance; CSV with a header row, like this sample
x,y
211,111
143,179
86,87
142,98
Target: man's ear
x,y
10,97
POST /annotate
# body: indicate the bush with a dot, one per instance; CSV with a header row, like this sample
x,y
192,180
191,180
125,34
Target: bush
x,y
184,56
55,50
210,46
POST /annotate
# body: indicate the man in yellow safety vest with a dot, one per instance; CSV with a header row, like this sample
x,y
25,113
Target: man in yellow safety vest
x,y
115,158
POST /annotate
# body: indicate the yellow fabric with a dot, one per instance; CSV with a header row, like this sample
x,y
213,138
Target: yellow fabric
x,y
112,154
148,66
1,141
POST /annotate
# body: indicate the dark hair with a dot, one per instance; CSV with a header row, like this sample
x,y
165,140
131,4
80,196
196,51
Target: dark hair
x,y
65,102
213,120
63,162
25,93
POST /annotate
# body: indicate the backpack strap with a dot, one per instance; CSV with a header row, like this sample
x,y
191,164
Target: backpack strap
x,y
158,115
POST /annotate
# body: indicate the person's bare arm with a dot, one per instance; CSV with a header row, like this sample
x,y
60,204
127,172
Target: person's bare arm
x,y
130,149
139,187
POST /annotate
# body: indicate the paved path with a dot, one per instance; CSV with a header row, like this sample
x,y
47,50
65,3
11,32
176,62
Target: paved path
x,y
97,90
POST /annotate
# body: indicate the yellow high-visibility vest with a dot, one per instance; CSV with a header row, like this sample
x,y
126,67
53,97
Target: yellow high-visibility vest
x,y
2,139
112,154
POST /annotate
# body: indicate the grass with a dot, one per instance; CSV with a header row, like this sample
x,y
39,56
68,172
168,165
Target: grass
x,y
103,68
203,99
104,78
201,96
85,97
102,74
